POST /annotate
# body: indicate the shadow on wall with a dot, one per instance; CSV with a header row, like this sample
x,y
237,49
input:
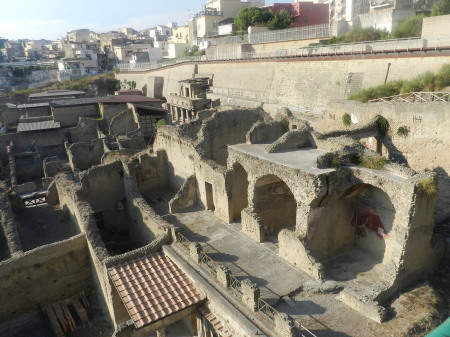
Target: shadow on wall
x,y
442,211
394,153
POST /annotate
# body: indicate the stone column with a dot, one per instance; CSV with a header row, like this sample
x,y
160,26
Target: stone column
x,y
161,333
285,325
250,294
223,275
195,249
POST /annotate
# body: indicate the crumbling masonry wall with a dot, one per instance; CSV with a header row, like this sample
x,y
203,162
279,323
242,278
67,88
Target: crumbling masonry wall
x,y
43,275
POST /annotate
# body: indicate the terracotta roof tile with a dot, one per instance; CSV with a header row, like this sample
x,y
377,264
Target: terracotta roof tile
x,y
153,287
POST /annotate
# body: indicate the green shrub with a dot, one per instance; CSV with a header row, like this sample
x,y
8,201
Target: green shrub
x,y
410,27
425,82
402,131
161,122
281,20
441,8
335,162
383,124
373,162
346,119
428,185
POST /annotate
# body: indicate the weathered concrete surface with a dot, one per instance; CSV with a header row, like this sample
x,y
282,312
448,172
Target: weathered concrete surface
x,y
247,259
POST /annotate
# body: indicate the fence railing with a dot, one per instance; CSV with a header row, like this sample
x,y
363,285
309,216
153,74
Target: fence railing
x,y
266,309
235,284
415,97
208,262
291,34
183,240
368,47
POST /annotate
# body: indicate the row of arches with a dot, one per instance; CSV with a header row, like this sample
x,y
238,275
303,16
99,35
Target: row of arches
x,y
360,219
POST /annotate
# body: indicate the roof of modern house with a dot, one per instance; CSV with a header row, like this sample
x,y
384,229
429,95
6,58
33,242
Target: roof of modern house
x,y
75,101
128,99
37,126
153,287
55,93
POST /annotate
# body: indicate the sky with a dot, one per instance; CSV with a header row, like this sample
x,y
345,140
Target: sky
x,y
52,19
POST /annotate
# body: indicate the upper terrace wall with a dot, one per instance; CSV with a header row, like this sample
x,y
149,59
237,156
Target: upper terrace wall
x,y
306,82
171,76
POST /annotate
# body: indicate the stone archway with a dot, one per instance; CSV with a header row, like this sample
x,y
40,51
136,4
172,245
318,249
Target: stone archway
x,y
275,205
239,192
350,231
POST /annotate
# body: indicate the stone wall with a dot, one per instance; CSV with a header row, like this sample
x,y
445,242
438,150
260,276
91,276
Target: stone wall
x,y
69,116
225,127
262,132
46,274
104,190
85,131
295,83
83,156
150,171
123,122
48,143
423,121
183,160
109,111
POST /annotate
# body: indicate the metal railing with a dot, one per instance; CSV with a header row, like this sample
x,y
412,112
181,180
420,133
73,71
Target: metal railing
x,y
235,284
266,309
183,240
416,97
291,34
208,262
368,47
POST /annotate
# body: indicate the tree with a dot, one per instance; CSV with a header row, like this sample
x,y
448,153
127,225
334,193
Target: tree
x,y
441,8
252,16
410,27
281,20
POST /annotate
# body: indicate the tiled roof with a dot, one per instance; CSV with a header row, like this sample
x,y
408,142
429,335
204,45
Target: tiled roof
x,y
218,326
153,287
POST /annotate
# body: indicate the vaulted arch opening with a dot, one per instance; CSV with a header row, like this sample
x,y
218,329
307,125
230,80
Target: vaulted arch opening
x,y
349,234
275,205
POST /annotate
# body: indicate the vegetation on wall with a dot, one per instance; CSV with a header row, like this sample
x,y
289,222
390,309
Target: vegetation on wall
x,y
161,122
194,51
402,131
254,16
281,20
105,83
428,185
373,162
346,119
441,8
383,124
410,27
425,82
